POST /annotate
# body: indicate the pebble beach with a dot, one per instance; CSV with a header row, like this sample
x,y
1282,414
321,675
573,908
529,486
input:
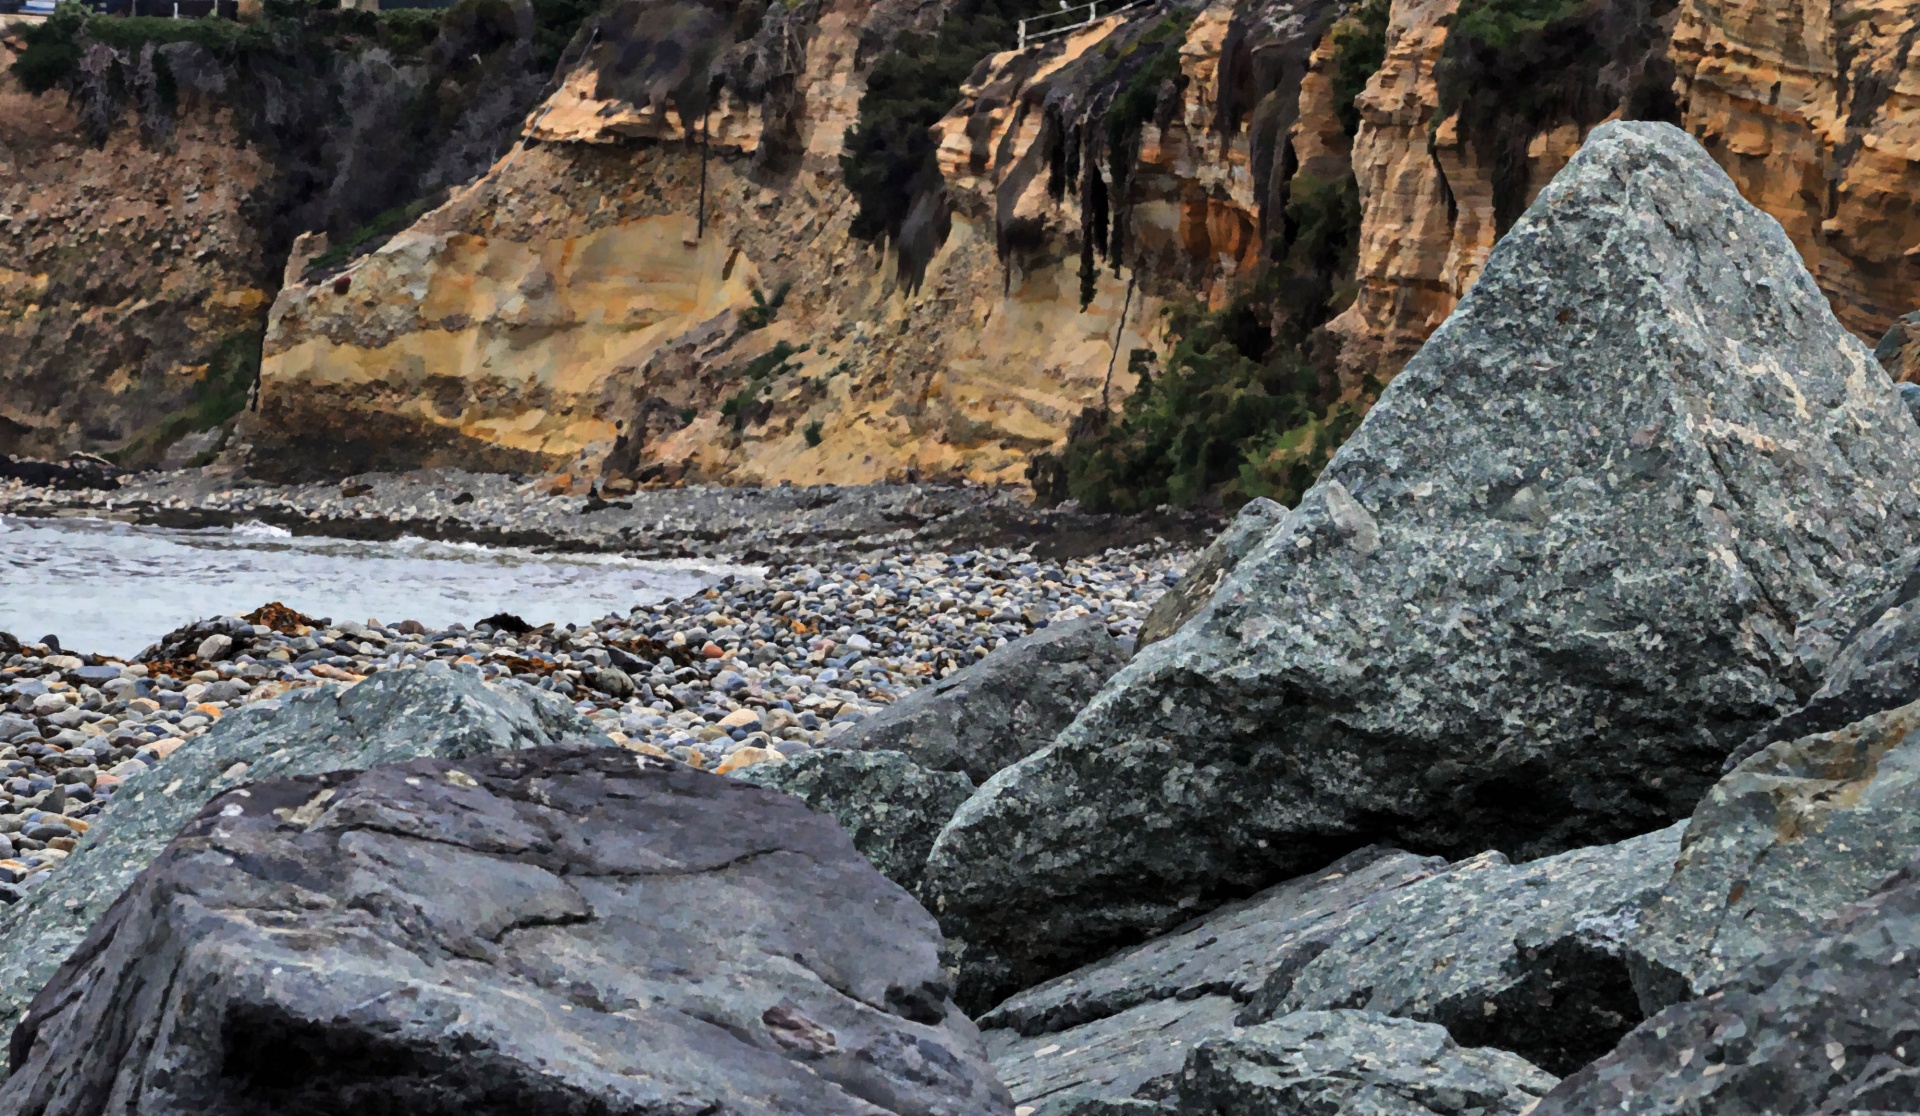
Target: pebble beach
x,y
753,670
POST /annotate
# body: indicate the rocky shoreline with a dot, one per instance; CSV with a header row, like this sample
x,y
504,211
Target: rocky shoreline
x,y
773,524
754,670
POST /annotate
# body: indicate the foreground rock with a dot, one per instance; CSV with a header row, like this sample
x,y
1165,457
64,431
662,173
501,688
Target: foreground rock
x,y
1356,1062
1821,1023
1002,708
1185,600
1533,603
1534,958
1121,1028
395,716
1781,847
563,930
891,806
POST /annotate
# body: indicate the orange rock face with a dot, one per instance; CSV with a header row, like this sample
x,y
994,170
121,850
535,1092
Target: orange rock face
x,y
1812,108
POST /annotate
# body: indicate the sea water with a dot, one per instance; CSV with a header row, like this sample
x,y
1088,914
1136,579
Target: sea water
x,y
112,588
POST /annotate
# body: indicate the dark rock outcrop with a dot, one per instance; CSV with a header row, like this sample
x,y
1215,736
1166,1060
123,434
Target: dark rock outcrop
x,y
1822,1023
1532,604
1121,1028
1185,600
564,930
1780,847
891,806
1002,708
1356,1062
76,472
186,641
390,717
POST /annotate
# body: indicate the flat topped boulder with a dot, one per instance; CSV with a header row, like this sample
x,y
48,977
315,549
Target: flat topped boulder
x,y
1532,604
395,715
559,930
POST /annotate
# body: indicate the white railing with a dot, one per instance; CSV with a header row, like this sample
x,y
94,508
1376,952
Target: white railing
x,y
1081,15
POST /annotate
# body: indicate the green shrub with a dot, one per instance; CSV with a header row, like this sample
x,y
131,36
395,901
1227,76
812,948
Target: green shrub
x,y
812,433
740,405
1359,50
761,314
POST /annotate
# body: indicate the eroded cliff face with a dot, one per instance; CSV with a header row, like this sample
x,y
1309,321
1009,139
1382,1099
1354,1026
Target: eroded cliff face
x,y
132,285
661,284
1810,107
580,308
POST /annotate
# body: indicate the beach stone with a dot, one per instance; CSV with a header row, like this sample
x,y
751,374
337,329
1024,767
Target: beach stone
x,y
1779,848
1532,604
502,935
392,716
1356,1062
891,806
1536,958
185,642
1182,602
9,644
1822,1022
1008,705
611,681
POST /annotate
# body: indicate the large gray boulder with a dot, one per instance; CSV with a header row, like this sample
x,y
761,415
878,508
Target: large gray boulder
x,y
1187,597
564,930
891,806
1532,604
1824,1022
1356,1063
1120,1029
392,716
1002,708
1780,847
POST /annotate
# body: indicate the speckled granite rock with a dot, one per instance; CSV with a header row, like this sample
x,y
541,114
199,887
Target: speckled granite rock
x,y
1182,602
392,716
1534,958
1006,706
1780,847
1356,1063
1827,1022
1531,605
563,930
891,806
1120,1029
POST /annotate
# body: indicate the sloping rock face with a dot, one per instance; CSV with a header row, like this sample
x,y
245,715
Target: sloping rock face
x,y
390,717
1121,1029
1781,847
1185,600
1004,707
561,930
892,807
1532,604
1535,958
1820,1023
1359,1062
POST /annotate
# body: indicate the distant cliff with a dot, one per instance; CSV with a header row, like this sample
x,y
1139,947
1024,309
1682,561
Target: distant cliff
x,y
688,270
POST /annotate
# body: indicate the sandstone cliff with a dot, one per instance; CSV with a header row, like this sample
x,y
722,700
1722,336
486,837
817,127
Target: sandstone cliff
x,y
664,281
